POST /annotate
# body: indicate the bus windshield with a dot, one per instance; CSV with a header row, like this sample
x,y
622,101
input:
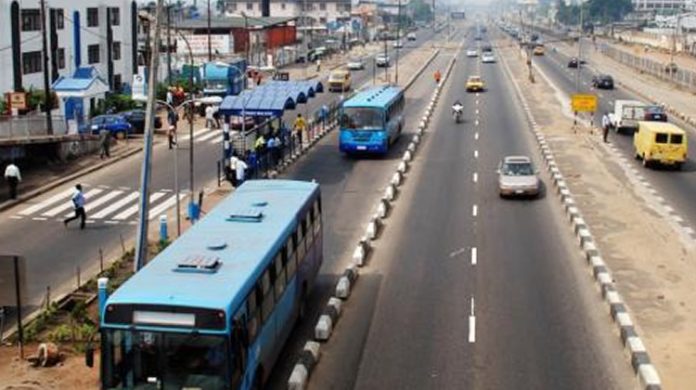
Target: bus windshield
x,y
164,360
362,118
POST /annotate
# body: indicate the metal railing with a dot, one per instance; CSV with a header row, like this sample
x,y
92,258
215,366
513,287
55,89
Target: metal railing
x,y
23,127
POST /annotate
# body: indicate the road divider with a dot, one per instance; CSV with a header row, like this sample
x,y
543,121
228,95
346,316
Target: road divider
x,y
640,361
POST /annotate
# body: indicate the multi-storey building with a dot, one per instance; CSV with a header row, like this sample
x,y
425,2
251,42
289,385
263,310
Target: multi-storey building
x,y
659,6
96,33
321,11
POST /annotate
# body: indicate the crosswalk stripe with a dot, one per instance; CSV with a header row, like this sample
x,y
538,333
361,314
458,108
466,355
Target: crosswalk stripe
x,y
207,136
55,198
197,133
217,140
134,209
67,205
155,212
89,206
116,206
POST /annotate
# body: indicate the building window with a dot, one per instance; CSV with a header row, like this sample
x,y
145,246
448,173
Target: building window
x,y
117,51
31,20
250,6
61,58
282,6
322,20
92,17
233,7
31,62
322,6
118,82
60,19
115,16
93,54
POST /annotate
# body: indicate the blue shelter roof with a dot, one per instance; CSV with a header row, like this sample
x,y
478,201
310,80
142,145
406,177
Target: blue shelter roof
x,y
270,99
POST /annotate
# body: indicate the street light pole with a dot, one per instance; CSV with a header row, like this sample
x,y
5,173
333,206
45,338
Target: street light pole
x,y
169,44
210,48
191,108
47,86
398,43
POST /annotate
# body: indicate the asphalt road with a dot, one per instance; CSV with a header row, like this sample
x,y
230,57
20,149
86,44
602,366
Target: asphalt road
x,y
425,315
677,187
54,253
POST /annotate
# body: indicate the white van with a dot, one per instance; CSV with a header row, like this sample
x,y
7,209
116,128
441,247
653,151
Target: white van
x,y
627,114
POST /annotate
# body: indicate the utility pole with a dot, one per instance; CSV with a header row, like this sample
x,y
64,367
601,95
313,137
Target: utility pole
x,y
386,66
141,246
169,44
210,48
47,86
433,12
398,41
577,74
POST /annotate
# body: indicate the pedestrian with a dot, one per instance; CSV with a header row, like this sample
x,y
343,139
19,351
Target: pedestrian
x,y
271,150
240,170
318,65
606,124
437,76
78,200
299,127
104,143
172,119
209,117
276,149
216,116
233,170
170,97
13,177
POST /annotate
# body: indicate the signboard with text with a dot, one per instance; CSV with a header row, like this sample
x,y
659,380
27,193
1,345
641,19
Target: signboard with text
x,y
584,103
220,44
18,100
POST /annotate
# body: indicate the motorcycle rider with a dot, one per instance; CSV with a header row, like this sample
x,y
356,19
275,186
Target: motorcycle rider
x,y
457,108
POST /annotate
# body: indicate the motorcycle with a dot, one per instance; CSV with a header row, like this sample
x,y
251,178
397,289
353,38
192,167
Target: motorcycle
x,y
457,112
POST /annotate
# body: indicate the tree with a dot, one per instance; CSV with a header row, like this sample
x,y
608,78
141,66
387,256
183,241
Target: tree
x,y
421,10
594,11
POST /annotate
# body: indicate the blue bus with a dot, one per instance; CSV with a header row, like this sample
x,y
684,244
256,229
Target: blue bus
x,y
213,310
371,120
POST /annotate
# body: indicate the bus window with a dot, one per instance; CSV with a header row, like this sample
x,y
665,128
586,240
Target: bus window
x,y
279,286
267,302
254,314
310,231
288,263
317,217
301,241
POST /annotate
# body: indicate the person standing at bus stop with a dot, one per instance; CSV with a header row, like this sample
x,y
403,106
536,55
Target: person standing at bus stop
x,y
13,177
78,200
299,127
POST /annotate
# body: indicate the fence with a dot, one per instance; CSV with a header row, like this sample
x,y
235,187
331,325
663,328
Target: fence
x,y
681,77
261,160
30,126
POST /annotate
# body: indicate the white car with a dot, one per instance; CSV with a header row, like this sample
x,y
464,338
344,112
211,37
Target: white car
x,y
382,61
517,177
472,53
487,58
398,44
356,64
411,36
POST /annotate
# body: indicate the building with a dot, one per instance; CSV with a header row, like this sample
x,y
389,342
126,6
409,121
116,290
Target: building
x,y
320,11
659,6
95,33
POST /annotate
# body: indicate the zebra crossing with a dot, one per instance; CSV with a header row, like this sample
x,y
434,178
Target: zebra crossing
x,y
212,136
102,204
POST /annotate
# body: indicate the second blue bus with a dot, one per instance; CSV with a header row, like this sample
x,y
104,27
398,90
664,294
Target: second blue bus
x,y
371,120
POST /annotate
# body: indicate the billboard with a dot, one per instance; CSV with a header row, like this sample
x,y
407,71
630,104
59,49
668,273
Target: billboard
x,y
219,43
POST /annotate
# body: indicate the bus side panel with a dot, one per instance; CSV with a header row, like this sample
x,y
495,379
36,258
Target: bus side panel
x,y
261,352
286,314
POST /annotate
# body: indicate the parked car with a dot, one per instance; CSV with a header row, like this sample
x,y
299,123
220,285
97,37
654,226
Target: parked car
x,y
356,64
517,177
382,61
117,125
137,119
603,81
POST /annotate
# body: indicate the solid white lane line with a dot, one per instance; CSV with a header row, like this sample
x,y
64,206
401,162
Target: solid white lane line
x,y
67,205
474,210
155,212
475,153
93,205
475,177
134,209
47,202
474,256
472,323
114,207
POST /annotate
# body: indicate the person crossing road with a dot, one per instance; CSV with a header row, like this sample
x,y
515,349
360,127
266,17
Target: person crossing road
x,y
78,200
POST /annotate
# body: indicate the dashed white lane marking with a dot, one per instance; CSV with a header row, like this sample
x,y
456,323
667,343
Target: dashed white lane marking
x,y
475,177
475,153
474,256
477,111
477,102
678,219
474,210
476,136
472,323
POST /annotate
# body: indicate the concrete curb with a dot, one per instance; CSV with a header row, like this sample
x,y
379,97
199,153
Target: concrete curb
x,y
72,177
327,320
633,345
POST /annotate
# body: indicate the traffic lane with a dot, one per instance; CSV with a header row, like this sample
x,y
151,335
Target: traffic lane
x,y
419,325
541,323
678,187
64,251
350,189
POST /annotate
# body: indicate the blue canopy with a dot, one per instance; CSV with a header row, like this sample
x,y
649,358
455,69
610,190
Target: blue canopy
x,y
270,99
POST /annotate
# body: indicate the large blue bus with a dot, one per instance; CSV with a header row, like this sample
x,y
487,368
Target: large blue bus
x,y
371,120
213,310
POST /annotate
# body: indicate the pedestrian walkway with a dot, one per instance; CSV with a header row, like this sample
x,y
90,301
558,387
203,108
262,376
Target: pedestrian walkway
x,y
105,204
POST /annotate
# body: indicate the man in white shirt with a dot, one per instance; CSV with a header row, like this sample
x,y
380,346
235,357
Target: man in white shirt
x,y
240,169
78,200
209,116
606,123
13,177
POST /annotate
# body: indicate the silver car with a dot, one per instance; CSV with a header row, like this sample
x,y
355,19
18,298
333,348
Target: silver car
x,y
356,64
487,58
517,177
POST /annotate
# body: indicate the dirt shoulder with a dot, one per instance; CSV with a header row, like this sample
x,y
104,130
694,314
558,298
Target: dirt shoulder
x,y
654,268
